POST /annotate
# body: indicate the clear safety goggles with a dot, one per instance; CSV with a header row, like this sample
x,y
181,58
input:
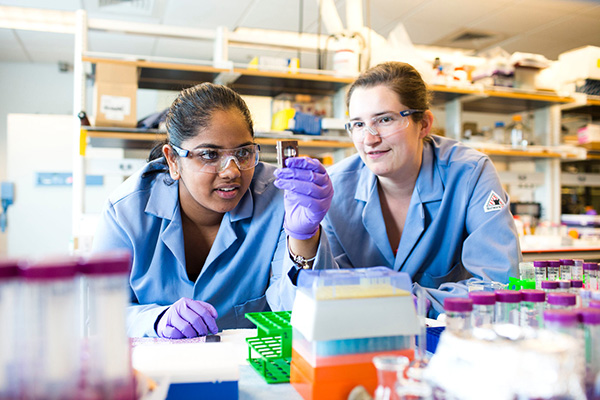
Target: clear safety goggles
x,y
216,161
382,125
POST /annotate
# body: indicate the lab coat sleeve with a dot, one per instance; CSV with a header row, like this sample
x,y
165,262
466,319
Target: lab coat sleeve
x,y
491,248
337,251
111,235
282,292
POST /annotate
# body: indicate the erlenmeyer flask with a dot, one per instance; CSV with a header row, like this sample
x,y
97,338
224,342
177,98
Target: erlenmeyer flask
x,y
388,370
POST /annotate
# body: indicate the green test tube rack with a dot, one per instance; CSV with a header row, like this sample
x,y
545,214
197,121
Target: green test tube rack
x,y
270,352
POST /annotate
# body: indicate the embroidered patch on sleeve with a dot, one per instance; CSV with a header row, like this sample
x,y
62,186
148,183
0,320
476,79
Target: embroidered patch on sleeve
x,y
493,203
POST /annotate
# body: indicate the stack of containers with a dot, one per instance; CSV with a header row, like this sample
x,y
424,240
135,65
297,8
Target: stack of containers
x,y
9,357
104,280
49,333
332,351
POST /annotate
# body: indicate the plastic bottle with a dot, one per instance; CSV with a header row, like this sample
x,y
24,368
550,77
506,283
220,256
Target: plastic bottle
x,y
507,307
576,287
517,133
562,321
109,373
594,304
565,269
483,308
561,300
541,273
388,369
590,320
50,329
550,286
458,314
532,308
564,285
499,132
590,275
9,272
553,270
577,269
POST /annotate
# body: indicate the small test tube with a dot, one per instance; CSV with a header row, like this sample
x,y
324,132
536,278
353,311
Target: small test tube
x,y
553,270
50,329
532,308
458,314
109,372
507,307
483,308
590,275
562,321
526,270
576,288
565,269
577,269
564,285
561,300
9,285
541,273
590,321
550,286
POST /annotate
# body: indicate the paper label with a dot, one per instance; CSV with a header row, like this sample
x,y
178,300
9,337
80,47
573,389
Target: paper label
x,y
115,108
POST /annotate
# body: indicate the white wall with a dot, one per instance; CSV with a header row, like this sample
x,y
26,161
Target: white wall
x,y
31,88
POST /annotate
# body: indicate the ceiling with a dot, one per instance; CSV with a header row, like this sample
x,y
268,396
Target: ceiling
x,y
546,27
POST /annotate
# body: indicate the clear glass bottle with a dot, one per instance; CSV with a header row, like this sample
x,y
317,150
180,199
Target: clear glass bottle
x,y
565,269
507,307
577,269
590,275
550,286
590,320
562,321
105,283
388,370
9,355
483,308
561,300
51,330
458,314
519,135
526,270
532,308
499,133
541,273
553,270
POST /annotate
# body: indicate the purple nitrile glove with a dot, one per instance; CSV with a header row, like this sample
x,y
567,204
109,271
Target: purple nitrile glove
x,y
308,194
427,304
187,318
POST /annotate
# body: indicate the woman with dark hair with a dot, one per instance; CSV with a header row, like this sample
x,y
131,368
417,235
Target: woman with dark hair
x,y
204,223
413,201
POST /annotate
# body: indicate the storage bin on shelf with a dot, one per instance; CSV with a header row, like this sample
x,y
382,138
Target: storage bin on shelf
x,y
341,319
269,353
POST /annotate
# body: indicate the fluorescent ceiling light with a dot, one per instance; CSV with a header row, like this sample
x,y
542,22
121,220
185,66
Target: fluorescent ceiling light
x,y
34,19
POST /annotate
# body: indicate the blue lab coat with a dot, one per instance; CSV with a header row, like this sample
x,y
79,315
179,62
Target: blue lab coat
x,y
451,233
246,268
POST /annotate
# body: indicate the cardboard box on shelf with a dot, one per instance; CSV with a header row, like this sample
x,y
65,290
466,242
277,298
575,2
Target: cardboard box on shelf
x,y
115,92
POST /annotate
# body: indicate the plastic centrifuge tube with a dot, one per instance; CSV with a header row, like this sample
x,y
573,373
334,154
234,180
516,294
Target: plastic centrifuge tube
x,y
483,308
553,270
590,319
561,300
9,378
577,269
458,314
563,321
507,307
51,329
590,275
109,372
565,269
541,273
532,308
550,286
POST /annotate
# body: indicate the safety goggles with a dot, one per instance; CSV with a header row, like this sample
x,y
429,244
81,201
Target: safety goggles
x,y
216,161
382,125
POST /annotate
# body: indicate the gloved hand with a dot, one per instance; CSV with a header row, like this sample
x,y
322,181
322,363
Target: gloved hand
x,y
427,304
187,318
308,194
